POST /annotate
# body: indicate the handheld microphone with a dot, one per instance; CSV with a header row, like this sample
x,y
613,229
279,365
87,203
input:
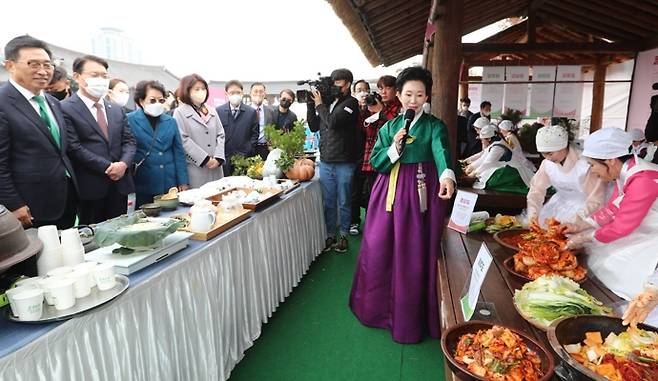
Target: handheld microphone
x,y
408,117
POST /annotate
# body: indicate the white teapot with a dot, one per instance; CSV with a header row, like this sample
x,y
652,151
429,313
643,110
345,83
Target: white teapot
x,y
203,216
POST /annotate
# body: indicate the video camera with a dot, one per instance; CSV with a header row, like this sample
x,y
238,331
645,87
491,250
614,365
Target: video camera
x,y
372,98
324,85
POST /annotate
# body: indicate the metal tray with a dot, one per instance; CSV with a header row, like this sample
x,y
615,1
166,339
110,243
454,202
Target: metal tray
x,y
93,300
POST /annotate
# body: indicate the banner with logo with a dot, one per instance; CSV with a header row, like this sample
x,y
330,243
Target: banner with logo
x,y
568,96
541,94
516,94
493,92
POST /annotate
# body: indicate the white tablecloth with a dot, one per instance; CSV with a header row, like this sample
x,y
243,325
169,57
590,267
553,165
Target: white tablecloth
x,y
192,319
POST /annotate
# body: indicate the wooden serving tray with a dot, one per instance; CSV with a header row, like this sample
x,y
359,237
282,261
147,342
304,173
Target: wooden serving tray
x,y
223,222
276,194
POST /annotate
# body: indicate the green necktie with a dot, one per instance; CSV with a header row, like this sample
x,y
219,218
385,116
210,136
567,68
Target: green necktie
x,y
52,126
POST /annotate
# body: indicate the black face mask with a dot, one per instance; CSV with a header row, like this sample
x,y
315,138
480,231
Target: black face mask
x,y
285,103
60,95
336,91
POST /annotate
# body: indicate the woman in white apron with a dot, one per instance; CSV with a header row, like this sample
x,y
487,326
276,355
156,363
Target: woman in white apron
x,y
621,247
498,168
578,190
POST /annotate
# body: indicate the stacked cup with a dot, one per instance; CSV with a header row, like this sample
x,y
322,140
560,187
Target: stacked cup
x,y
72,249
50,256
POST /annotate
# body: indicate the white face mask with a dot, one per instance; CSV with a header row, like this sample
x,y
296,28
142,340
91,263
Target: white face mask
x,y
198,97
120,98
257,100
361,95
97,87
235,99
486,113
154,109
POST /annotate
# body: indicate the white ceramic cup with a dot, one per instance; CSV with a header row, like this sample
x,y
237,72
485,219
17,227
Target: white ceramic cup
x,y
82,286
105,276
62,293
72,249
44,284
28,304
88,266
60,271
202,220
13,291
48,235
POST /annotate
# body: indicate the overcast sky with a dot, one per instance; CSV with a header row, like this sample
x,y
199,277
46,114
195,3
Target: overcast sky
x,y
248,40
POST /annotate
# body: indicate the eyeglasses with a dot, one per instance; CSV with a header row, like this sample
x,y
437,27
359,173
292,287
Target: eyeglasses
x,y
95,74
153,100
37,65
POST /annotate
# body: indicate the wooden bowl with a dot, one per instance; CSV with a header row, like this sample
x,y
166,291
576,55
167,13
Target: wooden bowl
x,y
450,339
501,237
508,264
572,329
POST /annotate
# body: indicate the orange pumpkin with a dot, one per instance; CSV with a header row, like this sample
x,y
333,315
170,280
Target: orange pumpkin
x,y
302,170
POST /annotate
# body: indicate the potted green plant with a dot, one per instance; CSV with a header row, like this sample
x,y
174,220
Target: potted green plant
x,y
291,146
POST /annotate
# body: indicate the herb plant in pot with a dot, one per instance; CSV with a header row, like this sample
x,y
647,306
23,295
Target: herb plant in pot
x,y
291,144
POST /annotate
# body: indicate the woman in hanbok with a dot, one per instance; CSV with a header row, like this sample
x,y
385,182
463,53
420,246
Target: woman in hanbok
x,y
621,237
498,168
395,281
578,191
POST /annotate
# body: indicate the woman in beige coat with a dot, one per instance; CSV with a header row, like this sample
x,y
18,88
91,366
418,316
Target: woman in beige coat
x,y
201,131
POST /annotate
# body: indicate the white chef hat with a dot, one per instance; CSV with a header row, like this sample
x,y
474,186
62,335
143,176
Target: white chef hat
x,y
552,138
506,125
481,122
488,131
636,134
607,143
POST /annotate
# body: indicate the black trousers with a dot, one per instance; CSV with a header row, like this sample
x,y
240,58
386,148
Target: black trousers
x,y
357,195
67,219
368,181
262,151
112,205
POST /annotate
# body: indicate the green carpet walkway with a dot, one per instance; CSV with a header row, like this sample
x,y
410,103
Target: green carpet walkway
x,y
314,336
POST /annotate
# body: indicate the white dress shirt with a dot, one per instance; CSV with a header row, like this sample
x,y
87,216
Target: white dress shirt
x,y
29,96
90,105
260,110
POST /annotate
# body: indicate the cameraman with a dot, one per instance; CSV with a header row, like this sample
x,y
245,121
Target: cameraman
x,y
385,107
337,125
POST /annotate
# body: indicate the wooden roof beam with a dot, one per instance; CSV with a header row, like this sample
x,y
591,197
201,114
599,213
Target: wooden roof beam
x,y
554,47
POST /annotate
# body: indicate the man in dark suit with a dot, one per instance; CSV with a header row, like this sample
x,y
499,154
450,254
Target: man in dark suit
x,y
265,115
104,143
37,181
240,125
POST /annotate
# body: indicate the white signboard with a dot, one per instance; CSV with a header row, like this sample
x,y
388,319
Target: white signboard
x,y
493,92
541,94
478,273
568,96
516,94
462,211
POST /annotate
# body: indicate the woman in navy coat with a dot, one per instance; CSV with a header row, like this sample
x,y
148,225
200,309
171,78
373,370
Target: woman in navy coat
x,y
159,147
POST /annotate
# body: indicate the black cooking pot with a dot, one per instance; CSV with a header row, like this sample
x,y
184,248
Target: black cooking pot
x,y
571,330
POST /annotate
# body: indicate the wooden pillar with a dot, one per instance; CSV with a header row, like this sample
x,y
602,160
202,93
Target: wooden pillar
x,y
446,61
463,81
598,95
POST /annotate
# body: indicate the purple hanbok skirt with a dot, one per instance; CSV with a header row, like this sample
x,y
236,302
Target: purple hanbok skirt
x,y
395,281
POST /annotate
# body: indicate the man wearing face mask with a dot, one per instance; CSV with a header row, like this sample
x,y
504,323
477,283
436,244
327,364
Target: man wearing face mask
x,y
104,144
265,115
240,123
285,118
338,152
59,87
473,145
